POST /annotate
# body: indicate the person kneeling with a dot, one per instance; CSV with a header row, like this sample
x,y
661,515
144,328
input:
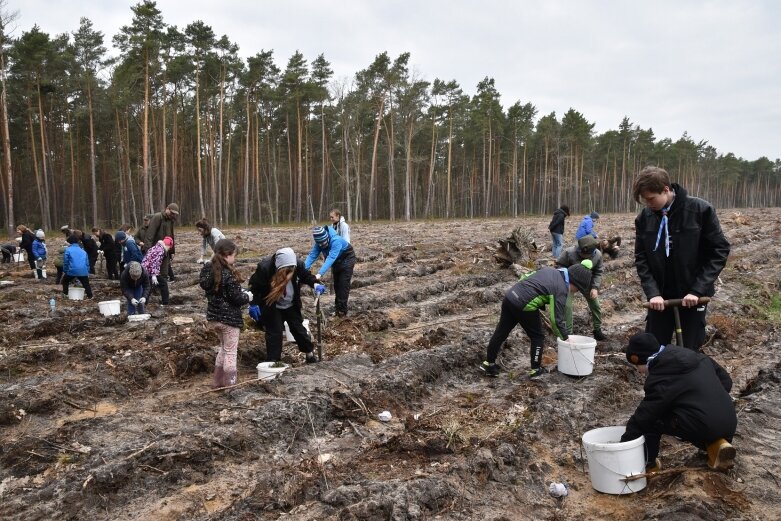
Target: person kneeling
x,y
686,396
276,285
136,286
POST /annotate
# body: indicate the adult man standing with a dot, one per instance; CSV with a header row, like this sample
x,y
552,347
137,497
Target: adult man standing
x,y
140,236
679,252
161,225
556,228
586,249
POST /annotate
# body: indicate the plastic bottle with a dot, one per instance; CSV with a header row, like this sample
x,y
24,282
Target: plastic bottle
x,y
52,304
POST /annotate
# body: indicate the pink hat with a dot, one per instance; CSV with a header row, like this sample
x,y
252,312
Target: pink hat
x,y
169,242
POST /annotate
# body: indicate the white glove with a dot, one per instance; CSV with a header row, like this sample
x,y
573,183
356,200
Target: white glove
x,y
142,300
154,280
248,293
200,260
134,302
317,276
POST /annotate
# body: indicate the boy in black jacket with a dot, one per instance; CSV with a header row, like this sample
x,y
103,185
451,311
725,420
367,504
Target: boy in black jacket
x,y
679,252
687,396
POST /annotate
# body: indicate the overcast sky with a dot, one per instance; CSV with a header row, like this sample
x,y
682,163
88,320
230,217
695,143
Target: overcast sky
x,y
710,68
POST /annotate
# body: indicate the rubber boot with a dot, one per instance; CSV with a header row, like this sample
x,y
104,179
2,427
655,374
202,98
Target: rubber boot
x,y
219,374
229,378
655,467
721,455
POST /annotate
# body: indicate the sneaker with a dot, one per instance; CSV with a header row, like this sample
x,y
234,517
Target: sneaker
x,y
721,455
538,371
656,467
599,336
311,358
490,369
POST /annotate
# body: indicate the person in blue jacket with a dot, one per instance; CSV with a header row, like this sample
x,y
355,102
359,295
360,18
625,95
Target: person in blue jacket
x,y
587,226
339,256
130,250
136,287
75,265
39,252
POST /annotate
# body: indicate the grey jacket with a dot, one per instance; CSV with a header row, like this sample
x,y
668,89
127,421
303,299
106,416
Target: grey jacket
x,y
570,257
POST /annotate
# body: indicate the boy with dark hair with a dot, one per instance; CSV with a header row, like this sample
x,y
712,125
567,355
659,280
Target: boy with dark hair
x,y
686,396
556,228
587,248
680,250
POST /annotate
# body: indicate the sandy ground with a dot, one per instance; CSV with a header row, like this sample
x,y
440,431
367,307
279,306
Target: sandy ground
x,y
105,419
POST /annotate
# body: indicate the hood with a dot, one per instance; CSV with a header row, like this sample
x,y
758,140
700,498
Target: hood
x,y
675,360
285,257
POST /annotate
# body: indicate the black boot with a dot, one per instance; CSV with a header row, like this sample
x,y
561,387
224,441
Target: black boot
x,y
599,336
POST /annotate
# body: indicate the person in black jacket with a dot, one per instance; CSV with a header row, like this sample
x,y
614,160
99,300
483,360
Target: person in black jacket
x,y
225,298
28,237
109,249
679,252
687,396
90,246
556,228
276,285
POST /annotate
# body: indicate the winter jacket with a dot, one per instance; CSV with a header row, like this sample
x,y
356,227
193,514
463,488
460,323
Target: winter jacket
x,y
27,242
342,229
130,251
210,240
557,223
698,249
545,287
140,237
686,388
75,262
224,306
338,250
586,228
39,249
153,259
160,227
108,246
60,258
260,281
90,246
128,285
570,257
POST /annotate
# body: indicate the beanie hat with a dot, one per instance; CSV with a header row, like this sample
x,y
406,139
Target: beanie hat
x,y
72,239
580,277
169,242
320,234
120,236
641,347
594,215
134,268
587,244
285,257
39,234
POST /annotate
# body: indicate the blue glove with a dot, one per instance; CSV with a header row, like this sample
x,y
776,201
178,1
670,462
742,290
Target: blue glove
x,y
254,312
319,289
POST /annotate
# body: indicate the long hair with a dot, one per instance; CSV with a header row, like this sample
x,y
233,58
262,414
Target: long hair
x,y
279,283
204,225
222,249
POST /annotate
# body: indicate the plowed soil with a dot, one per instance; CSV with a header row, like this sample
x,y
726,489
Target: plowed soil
x,y
105,419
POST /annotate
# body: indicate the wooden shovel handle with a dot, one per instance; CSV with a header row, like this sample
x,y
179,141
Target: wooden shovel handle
x,y
673,302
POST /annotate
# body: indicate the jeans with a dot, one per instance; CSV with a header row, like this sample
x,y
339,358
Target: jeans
x,y
138,292
558,243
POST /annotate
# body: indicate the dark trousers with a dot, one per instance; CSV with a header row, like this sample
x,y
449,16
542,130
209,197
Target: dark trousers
x,y
111,267
92,260
59,275
138,292
672,427
66,281
272,318
511,316
162,287
30,258
343,273
662,325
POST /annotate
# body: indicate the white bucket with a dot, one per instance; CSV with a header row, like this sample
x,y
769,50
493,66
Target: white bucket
x,y
75,293
576,355
289,335
43,274
610,461
266,372
18,257
109,307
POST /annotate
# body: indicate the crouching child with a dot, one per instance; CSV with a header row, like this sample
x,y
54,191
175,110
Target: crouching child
x,y
136,286
686,396
225,298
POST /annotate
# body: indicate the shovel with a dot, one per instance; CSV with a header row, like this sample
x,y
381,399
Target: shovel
x,y
675,303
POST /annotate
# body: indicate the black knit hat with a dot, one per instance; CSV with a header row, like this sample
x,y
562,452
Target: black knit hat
x,y
641,346
580,277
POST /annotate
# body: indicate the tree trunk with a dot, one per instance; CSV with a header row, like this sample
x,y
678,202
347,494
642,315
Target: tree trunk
x,y
198,142
373,173
7,151
145,201
45,211
246,163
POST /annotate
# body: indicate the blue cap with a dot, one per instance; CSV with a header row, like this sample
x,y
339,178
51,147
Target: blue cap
x,y
120,236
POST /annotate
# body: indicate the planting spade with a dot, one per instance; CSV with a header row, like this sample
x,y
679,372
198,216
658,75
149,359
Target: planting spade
x,y
675,304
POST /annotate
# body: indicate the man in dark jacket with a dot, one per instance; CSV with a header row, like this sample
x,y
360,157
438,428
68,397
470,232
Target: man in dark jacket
x,y
556,228
679,252
586,249
90,246
140,236
687,396
109,249
522,305
161,225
